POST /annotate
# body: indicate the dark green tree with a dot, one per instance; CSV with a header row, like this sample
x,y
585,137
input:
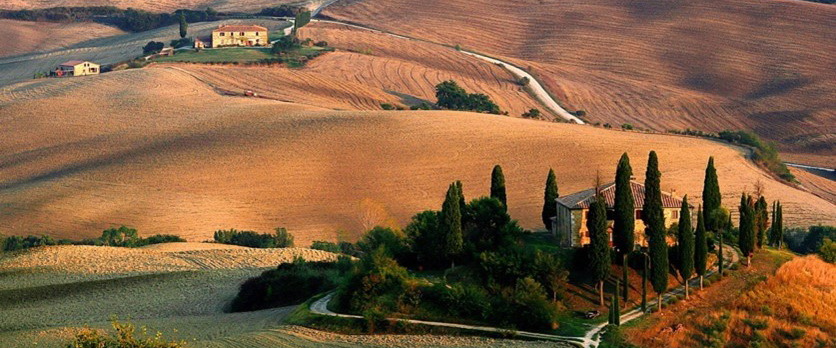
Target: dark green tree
x,y
778,225
184,25
615,309
646,266
761,221
423,237
654,221
599,248
498,185
451,225
746,237
624,219
711,199
549,197
462,202
685,239
700,248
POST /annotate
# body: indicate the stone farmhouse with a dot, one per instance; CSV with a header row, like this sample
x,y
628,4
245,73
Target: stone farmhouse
x,y
569,226
236,35
77,68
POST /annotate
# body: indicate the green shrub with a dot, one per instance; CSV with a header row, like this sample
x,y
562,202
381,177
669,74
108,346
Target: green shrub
x,y
13,243
326,246
533,113
756,324
451,96
123,337
387,106
706,283
827,251
153,47
794,334
627,126
288,284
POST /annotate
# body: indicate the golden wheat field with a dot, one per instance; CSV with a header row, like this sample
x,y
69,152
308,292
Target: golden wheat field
x,y
26,37
659,64
159,150
154,6
822,185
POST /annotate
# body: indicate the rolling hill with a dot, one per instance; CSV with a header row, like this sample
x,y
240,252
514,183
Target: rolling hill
x,y
658,64
104,50
153,6
159,150
27,37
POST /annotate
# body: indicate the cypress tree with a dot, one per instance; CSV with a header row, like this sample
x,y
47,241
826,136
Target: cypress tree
x,y
549,197
451,224
626,280
599,249
462,203
616,307
761,220
646,261
686,244
184,26
654,220
720,254
779,229
700,248
624,219
746,237
498,185
711,199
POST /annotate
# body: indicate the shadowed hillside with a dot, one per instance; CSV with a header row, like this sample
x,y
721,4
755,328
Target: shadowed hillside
x,y
659,64
159,150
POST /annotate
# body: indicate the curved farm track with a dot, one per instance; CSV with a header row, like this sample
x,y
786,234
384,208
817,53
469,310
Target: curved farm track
x,y
760,65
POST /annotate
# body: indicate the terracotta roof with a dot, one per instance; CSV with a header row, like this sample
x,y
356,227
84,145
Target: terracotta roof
x,y
72,62
582,199
236,28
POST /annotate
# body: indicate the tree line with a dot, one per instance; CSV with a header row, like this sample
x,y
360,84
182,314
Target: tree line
x,y
119,237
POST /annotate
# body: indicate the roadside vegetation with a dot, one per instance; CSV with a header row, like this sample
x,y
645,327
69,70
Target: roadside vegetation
x,y
764,151
451,96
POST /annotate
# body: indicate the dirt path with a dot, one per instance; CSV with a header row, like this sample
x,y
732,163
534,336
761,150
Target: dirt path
x,y
321,307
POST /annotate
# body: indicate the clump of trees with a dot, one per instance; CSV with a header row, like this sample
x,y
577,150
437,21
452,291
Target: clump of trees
x,y
289,284
451,96
532,113
153,47
279,239
810,240
490,277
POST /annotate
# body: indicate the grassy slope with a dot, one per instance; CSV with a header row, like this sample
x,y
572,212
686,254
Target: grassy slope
x,y
779,292
159,150
104,50
762,65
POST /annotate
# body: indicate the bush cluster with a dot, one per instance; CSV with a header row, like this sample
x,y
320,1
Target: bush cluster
x,y
123,337
280,239
288,284
119,237
451,96
765,152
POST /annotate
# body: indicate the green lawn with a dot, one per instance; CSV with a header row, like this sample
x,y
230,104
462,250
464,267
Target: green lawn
x,y
219,55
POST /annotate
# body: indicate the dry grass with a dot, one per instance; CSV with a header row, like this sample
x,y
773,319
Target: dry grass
x,y
155,6
102,50
159,150
762,65
798,295
26,37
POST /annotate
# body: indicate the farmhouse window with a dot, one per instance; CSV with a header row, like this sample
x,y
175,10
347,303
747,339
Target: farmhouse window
x,y
638,214
256,33
242,33
223,34
675,214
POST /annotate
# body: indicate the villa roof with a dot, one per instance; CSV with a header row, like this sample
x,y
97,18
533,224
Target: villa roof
x,y
235,28
72,63
583,199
